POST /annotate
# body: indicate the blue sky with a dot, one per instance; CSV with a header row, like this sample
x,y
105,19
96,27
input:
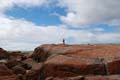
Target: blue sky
x,y
45,16
35,22
38,15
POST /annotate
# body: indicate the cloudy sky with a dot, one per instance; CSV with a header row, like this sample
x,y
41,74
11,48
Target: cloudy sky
x,y
26,24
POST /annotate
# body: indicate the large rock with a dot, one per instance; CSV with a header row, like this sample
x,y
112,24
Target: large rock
x,y
16,55
19,70
6,74
31,62
35,73
72,60
67,66
66,78
3,54
113,67
110,77
13,62
84,51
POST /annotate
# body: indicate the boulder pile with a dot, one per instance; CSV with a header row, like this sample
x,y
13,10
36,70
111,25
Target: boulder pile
x,y
62,62
77,60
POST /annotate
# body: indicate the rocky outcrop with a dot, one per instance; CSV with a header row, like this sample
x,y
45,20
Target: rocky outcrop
x,y
35,74
44,52
108,77
3,54
63,62
41,53
74,60
66,78
16,55
6,74
111,77
18,70
12,63
113,67
66,66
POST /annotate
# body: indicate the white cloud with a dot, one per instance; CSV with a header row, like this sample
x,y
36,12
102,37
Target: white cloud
x,y
7,4
70,19
115,22
108,37
29,3
19,34
98,29
83,12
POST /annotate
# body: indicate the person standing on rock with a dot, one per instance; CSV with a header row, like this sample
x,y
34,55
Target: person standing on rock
x,y
63,41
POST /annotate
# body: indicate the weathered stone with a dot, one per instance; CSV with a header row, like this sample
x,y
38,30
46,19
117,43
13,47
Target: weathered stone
x,y
26,66
19,70
44,52
35,72
13,62
114,67
67,66
6,74
16,55
3,54
110,77
73,60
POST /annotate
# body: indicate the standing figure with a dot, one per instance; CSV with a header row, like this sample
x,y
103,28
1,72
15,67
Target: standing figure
x,y
63,41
